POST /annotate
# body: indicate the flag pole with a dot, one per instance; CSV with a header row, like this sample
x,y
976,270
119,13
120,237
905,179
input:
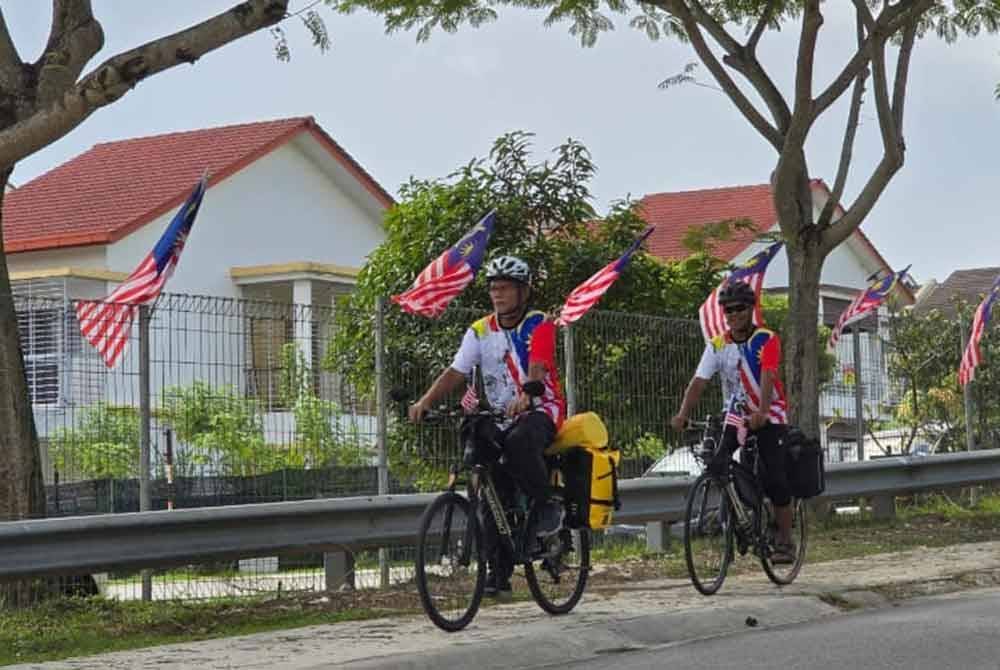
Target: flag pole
x,y
145,493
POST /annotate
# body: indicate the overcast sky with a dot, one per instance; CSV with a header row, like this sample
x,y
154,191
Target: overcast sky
x,y
402,108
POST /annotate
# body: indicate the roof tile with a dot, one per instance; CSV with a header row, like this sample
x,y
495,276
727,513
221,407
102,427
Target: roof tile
x,y
115,187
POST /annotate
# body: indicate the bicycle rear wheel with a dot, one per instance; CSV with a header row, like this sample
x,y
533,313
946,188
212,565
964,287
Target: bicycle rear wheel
x,y
708,534
557,581
784,573
450,567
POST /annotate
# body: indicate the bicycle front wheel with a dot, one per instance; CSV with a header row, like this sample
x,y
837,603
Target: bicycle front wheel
x,y
785,573
450,565
708,534
557,580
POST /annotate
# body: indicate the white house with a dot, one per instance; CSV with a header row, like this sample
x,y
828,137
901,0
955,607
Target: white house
x,y
846,271
289,217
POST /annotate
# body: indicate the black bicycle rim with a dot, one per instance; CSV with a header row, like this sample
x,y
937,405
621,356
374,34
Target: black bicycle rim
x,y
450,569
708,535
783,574
557,584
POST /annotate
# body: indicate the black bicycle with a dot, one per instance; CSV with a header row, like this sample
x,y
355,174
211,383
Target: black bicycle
x,y
451,561
730,509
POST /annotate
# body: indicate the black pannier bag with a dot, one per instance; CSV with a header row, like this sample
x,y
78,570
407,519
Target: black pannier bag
x,y
803,464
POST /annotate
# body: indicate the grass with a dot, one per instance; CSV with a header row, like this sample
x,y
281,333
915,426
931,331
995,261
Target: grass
x,y
76,627
67,627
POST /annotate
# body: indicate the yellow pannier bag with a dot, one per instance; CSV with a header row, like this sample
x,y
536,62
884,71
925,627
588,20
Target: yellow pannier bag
x,y
581,430
589,470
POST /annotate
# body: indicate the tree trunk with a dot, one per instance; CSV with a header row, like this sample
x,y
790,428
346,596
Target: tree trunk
x,y
801,331
22,490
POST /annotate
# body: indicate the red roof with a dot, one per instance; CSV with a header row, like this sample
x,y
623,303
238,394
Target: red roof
x,y
114,188
673,214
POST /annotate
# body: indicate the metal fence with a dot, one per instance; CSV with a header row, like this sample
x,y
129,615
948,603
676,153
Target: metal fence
x,y
253,401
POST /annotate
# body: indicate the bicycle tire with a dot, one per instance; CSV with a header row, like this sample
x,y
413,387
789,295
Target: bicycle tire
x,y
430,539
697,512
539,591
785,573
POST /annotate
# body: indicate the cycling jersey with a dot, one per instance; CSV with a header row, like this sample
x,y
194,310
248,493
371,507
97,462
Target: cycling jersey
x,y
504,354
741,366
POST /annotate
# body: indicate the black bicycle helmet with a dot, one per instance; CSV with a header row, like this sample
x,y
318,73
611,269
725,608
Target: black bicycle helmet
x,y
508,267
737,293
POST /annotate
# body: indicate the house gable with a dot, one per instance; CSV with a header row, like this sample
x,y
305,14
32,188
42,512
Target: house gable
x,y
115,188
286,207
847,268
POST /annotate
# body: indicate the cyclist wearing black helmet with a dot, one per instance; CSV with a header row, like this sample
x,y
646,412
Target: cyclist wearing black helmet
x,y
515,349
748,360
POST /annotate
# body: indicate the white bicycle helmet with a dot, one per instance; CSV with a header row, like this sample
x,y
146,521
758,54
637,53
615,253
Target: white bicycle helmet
x,y
508,267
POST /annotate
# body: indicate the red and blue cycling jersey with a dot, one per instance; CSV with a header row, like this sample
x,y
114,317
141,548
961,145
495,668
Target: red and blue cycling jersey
x,y
504,356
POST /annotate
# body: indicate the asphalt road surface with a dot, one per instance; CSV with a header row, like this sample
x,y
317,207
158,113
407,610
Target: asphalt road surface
x,y
960,631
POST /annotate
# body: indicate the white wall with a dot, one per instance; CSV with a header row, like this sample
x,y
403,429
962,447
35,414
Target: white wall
x,y
282,208
49,259
843,267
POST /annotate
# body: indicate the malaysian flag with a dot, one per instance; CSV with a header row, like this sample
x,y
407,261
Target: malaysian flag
x,y
589,292
106,324
867,301
972,356
470,400
711,314
738,422
448,274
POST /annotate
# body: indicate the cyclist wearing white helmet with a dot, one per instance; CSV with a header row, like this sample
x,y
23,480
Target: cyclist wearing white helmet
x,y
515,349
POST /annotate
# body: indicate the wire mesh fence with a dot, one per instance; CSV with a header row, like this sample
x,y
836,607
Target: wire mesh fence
x,y
256,401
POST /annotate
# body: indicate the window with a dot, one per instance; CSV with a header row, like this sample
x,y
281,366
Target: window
x,y
42,329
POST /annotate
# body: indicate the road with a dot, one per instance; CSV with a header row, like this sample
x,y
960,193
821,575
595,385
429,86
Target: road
x,y
960,631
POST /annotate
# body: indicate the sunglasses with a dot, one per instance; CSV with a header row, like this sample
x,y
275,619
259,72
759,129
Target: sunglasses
x,y
733,309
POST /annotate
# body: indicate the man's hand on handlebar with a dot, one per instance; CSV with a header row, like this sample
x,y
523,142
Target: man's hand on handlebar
x,y
758,420
679,422
417,411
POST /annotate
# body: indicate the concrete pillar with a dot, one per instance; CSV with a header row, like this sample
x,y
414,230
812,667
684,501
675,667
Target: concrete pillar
x,y
883,506
657,537
339,569
302,296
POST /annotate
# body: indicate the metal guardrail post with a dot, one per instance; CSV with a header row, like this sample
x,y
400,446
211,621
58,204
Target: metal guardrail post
x,y
570,370
381,437
145,490
859,402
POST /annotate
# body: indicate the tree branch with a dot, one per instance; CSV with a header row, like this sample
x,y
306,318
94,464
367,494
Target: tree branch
x,y
850,132
890,116
802,107
902,73
890,21
679,9
10,61
758,30
74,38
119,74
744,60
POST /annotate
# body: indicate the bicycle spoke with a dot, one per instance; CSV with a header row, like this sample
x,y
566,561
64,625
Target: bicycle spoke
x,y
450,572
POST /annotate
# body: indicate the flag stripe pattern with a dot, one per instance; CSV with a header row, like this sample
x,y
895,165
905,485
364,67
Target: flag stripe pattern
x,y
106,324
738,422
586,295
973,356
866,302
711,314
449,274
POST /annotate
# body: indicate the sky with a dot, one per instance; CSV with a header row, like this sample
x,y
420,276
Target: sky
x,y
403,109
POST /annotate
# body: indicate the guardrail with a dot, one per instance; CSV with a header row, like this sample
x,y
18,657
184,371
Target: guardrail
x,y
80,545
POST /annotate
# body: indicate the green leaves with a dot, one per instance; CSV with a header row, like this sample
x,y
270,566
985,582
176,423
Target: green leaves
x,y
104,444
